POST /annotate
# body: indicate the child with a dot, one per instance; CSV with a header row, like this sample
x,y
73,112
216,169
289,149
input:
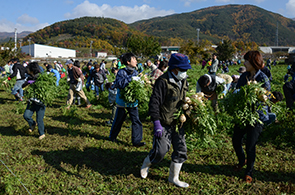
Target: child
x,y
99,76
35,105
112,100
123,78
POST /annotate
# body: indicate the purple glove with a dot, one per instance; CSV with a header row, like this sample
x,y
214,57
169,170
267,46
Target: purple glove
x,y
31,81
158,129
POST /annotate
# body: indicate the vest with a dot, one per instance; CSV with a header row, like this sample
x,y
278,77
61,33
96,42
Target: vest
x,y
173,100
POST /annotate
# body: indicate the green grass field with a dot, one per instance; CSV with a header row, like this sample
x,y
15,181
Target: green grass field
x,y
77,158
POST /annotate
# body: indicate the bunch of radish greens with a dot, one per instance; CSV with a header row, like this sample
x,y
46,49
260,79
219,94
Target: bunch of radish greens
x,y
243,104
43,89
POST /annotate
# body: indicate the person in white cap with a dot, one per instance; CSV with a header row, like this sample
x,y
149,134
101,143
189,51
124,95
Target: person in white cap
x,y
76,80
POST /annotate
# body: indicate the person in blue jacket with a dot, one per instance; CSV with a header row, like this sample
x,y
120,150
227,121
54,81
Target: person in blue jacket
x,y
253,63
123,78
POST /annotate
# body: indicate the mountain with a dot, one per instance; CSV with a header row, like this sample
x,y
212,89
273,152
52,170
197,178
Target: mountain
x,y
81,31
5,36
236,22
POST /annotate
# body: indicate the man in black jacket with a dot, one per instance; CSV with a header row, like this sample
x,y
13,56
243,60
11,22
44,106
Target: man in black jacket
x,y
167,98
18,72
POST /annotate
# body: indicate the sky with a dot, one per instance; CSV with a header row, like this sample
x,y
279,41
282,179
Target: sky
x,y
32,15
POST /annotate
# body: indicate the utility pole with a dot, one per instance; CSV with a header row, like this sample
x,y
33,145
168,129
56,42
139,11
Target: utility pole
x,y
15,39
29,45
91,48
198,31
20,43
277,34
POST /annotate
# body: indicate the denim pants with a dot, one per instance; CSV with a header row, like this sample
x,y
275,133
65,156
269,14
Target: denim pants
x,y
57,80
97,89
40,112
18,87
120,118
252,138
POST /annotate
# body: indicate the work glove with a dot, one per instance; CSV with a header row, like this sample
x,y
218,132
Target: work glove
x,y
31,81
9,78
79,79
68,79
158,129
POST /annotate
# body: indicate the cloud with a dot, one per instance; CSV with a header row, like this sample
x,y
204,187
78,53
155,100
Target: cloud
x,y
290,7
26,19
8,26
123,13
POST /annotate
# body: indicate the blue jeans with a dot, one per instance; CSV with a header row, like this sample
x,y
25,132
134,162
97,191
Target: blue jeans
x,y
120,118
57,80
18,87
40,112
97,88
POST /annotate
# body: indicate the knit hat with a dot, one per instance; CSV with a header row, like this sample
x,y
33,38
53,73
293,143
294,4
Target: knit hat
x,y
179,60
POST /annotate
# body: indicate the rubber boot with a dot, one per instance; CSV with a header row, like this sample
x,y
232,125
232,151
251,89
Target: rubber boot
x,y
79,101
174,174
145,167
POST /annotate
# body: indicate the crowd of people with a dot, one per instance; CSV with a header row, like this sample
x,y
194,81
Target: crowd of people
x,y
169,84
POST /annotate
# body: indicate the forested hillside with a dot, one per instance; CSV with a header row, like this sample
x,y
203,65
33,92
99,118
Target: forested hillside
x,y
245,23
236,22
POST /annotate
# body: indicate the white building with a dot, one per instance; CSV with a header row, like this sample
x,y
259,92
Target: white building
x,y
273,49
45,51
101,54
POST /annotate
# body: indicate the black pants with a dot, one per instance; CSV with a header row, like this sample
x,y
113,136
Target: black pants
x,y
120,118
289,91
252,138
162,145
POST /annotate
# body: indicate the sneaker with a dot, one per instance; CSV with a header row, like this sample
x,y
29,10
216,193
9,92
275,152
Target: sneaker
x,y
32,128
89,105
41,136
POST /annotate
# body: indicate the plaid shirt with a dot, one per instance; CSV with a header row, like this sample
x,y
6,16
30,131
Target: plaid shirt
x,y
156,74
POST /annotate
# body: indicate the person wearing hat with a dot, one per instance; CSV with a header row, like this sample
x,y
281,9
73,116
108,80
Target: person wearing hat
x,y
123,78
167,97
76,80
57,66
253,63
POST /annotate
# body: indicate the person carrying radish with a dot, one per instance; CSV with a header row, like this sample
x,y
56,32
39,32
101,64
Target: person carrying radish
x,y
253,63
167,98
34,104
123,78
